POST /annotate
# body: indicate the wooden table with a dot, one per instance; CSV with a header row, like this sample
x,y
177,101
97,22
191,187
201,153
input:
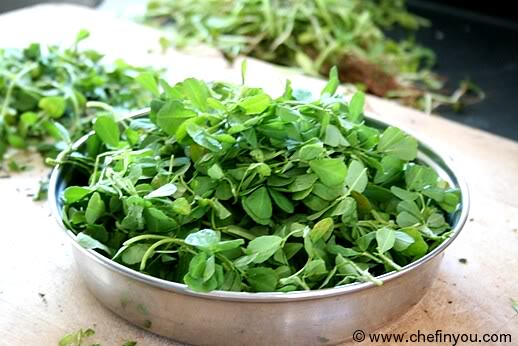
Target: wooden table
x,y
41,294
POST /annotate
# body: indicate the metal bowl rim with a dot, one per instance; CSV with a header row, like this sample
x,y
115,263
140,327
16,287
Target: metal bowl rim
x,y
276,297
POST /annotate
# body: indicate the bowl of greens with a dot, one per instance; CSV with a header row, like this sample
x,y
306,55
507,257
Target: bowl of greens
x,y
226,216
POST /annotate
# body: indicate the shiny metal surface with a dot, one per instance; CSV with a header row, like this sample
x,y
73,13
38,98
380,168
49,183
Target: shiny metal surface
x,y
327,316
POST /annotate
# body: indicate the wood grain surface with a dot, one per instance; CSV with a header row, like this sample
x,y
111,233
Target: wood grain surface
x,y
42,296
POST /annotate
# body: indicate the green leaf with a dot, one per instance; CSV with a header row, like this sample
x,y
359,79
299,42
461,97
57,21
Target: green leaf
x,y
244,261
391,166
197,265
130,343
315,203
165,190
210,268
386,238
215,172
95,209
134,208
63,132
197,92
204,239
356,176
332,85
418,248
203,138
198,278
435,220
76,338
158,221
148,81
356,105
181,206
83,34
232,281
345,207
310,151
409,214
403,241
228,245
262,279
410,207
405,219
54,106
172,115
364,241
418,177
448,199
315,267
302,182
322,230
264,247
90,243
282,201
16,141
287,114
329,171
334,137
108,130
28,119
221,212
404,194
258,205
328,193
243,71
255,104
395,142
74,194
134,254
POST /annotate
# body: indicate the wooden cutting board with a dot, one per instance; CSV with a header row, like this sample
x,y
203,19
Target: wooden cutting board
x,y
41,294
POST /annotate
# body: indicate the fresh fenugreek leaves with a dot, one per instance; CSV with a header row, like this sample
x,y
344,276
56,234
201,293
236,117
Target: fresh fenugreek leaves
x,y
357,36
223,187
50,95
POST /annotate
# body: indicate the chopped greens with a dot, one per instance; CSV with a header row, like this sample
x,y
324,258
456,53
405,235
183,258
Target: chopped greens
x,y
79,338
224,187
49,95
358,36
76,338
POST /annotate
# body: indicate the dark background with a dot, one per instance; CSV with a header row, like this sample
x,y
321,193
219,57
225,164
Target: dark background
x,y
476,41
503,9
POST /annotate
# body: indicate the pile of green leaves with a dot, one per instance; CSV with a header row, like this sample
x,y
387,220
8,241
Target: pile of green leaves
x,y
223,187
49,95
314,36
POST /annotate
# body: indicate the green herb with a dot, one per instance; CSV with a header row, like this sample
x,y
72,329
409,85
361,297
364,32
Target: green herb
x,y
130,343
76,338
43,188
514,304
354,35
49,96
223,187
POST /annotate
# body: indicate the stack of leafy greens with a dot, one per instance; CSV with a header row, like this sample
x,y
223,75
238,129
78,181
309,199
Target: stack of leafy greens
x,y
314,36
49,96
223,187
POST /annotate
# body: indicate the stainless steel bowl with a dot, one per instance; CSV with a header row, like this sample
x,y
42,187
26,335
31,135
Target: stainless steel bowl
x,y
327,316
